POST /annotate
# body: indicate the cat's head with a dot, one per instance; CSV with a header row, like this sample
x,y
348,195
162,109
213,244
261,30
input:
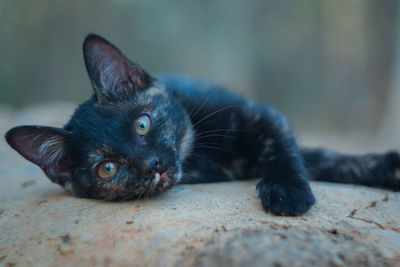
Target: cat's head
x,y
128,141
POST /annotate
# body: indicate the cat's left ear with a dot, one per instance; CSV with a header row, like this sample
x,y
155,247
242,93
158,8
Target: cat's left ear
x,y
112,74
44,146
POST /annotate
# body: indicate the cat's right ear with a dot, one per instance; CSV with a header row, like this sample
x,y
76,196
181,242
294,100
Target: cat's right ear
x,y
112,74
43,146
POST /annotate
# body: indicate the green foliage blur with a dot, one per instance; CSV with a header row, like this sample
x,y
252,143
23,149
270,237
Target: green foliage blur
x,y
326,64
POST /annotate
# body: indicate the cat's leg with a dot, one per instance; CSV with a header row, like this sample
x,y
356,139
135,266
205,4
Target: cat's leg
x,y
268,141
372,169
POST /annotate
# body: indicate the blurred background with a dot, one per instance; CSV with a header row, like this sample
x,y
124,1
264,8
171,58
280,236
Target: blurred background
x,y
331,66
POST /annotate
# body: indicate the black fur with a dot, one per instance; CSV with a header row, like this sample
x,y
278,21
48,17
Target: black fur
x,y
198,133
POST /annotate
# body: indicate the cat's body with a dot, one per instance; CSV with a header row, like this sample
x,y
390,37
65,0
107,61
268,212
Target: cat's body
x,y
138,136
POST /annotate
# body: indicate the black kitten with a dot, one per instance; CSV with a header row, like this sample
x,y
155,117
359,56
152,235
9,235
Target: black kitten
x,y
140,135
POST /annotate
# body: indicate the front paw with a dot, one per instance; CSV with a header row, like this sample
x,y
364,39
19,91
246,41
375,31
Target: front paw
x,y
285,200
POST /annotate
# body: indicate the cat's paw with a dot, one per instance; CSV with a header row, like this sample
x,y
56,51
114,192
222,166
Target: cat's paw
x,y
285,200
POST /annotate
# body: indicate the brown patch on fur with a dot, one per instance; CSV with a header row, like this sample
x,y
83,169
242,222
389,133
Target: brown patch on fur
x,y
111,191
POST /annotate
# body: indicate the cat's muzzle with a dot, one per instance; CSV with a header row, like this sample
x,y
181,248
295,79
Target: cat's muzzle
x,y
160,177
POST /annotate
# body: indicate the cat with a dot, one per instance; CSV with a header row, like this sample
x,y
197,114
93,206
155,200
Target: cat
x,y
139,135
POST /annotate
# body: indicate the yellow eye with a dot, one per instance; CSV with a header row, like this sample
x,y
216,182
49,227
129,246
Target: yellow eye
x,y
107,169
142,125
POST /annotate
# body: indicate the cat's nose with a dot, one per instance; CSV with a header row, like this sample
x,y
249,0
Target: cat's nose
x,y
153,165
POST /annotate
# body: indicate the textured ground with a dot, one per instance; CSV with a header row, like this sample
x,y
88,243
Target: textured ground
x,y
206,224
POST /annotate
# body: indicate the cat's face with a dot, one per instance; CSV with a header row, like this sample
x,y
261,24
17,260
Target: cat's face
x,y
128,141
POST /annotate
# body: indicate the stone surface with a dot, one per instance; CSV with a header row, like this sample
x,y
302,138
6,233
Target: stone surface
x,y
206,224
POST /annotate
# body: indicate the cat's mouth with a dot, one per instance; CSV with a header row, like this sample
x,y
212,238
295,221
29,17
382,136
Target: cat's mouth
x,y
160,177
164,180
157,183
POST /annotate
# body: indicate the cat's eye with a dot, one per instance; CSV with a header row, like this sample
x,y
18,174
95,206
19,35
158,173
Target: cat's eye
x,y
107,169
142,125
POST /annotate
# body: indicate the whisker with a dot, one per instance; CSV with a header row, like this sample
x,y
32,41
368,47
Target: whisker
x,y
216,148
202,105
213,113
205,143
215,135
216,130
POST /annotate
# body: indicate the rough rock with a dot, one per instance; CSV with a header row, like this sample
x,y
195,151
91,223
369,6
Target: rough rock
x,y
203,225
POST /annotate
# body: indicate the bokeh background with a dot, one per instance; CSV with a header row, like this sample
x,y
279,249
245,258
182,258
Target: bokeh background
x,y
331,66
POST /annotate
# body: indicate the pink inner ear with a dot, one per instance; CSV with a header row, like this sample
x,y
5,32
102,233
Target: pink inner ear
x,y
112,72
41,145
109,64
106,56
